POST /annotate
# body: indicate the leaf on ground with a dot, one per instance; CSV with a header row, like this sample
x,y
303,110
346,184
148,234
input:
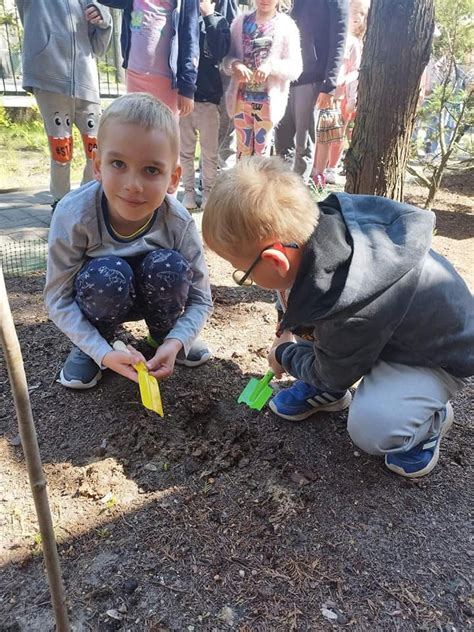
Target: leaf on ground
x,y
329,614
114,614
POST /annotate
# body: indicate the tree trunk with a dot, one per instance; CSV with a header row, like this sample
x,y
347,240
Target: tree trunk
x,y
396,50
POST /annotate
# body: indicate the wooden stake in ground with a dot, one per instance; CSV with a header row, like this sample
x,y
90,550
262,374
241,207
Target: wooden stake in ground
x,y
16,373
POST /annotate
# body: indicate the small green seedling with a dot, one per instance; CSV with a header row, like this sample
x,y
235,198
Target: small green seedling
x,y
257,392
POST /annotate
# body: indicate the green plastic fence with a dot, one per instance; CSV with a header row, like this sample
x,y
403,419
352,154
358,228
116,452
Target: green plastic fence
x,y
21,258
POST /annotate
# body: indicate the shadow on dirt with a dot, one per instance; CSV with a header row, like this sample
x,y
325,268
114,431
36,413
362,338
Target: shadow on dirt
x,y
224,295
238,514
219,516
454,225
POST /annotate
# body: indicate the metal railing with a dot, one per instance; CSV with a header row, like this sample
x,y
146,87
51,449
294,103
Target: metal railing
x,y
11,35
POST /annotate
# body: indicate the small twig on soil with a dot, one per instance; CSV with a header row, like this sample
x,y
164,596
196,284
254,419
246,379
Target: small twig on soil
x,y
180,590
55,374
128,524
401,598
36,605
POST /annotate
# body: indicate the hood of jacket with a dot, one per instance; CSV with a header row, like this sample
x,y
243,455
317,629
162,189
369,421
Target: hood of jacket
x,y
361,247
370,288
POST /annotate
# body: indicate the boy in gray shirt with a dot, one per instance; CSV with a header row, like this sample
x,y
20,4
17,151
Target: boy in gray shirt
x,y
123,248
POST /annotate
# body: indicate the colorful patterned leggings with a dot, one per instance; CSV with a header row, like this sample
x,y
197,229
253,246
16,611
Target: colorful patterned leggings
x,y
253,127
112,290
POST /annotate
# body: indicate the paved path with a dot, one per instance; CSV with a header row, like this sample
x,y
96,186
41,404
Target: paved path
x,y
24,215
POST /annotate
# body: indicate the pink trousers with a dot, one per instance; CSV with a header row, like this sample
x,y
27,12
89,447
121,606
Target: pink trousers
x,y
158,86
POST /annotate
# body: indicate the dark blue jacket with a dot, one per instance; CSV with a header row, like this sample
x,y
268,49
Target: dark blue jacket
x,y
214,46
184,56
323,28
369,287
228,8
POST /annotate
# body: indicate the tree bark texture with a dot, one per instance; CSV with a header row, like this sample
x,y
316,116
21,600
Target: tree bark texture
x,y
396,50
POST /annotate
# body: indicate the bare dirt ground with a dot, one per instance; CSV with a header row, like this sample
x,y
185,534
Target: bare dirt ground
x,y
219,517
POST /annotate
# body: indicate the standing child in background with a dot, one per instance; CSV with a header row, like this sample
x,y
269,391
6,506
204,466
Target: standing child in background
x,y
323,26
213,45
264,57
160,48
60,42
227,146
124,248
328,154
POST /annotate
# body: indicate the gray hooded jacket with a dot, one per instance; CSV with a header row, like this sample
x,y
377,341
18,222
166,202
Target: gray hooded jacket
x,y
60,46
369,287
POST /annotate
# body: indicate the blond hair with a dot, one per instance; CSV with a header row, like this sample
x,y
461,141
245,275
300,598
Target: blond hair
x,y
143,109
259,199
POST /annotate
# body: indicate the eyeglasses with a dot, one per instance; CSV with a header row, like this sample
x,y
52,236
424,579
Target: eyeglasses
x,y
243,278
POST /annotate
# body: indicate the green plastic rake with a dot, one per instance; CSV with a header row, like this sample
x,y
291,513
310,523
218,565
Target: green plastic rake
x,y
257,392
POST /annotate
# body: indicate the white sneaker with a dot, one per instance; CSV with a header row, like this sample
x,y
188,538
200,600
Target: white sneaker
x,y
189,200
330,175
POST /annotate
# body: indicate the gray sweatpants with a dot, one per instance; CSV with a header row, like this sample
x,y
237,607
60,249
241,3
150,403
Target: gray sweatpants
x,y
60,113
205,120
396,406
294,134
227,153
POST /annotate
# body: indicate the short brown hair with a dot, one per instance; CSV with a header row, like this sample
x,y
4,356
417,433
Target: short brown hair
x,y
143,109
259,199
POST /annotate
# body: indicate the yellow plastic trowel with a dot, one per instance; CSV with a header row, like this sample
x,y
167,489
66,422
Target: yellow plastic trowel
x,y
149,389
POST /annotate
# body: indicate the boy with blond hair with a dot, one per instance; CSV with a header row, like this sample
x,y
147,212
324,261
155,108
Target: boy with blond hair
x,y
123,248
364,297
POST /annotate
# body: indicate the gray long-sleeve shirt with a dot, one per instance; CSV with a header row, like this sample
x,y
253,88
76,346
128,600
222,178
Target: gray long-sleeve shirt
x,y
79,231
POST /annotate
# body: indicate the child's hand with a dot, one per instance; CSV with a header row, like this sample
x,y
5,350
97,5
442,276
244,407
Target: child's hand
x,y
122,362
241,72
274,365
261,74
285,336
162,364
93,15
185,105
206,7
324,101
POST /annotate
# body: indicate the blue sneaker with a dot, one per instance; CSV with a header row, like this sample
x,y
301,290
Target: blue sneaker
x,y
79,371
420,460
302,400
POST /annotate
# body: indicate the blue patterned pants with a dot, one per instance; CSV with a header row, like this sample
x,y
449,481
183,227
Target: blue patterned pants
x,y
112,290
